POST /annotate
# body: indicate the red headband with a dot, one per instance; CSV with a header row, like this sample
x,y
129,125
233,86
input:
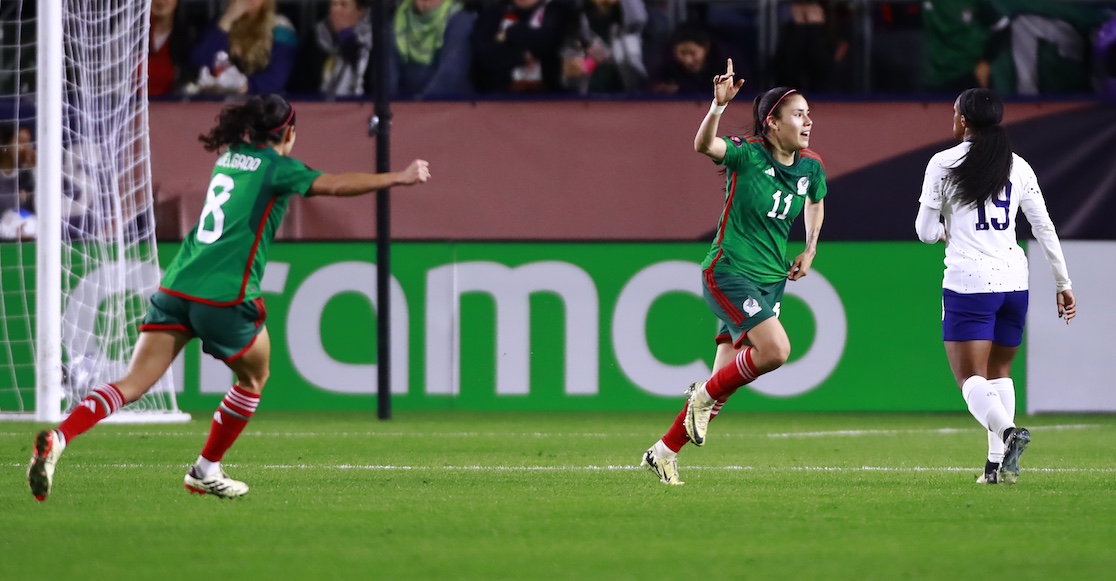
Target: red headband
x,y
290,116
776,105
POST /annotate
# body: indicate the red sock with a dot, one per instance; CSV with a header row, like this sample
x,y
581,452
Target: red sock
x,y
676,436
98,405
229,420
733,376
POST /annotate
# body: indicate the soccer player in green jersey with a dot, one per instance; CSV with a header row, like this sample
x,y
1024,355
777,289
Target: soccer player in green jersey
x,y
771,178
212,288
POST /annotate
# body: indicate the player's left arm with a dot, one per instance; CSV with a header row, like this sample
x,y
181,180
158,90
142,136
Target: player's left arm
x,y
812,215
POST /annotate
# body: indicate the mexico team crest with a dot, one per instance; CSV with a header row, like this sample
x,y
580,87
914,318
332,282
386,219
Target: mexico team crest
x,y
751,307
803,185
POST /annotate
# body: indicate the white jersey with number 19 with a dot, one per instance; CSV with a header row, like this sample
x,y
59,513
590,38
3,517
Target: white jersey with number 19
x,y
982,254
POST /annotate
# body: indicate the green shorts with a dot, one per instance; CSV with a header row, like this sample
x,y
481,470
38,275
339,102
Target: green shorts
x,y
740,304
225,332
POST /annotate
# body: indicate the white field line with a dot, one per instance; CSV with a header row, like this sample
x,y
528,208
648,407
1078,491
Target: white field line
x,y
943,431
372,434
607,468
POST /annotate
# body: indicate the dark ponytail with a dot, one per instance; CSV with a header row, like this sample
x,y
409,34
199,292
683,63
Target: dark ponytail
x,y
260,119
986,168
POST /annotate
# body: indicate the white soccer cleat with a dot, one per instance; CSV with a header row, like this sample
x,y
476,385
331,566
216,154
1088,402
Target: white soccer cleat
x,y
989,478
45,453
697,414
219,485
666,470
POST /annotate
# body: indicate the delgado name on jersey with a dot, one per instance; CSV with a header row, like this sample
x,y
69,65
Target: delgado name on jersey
x,y
239,161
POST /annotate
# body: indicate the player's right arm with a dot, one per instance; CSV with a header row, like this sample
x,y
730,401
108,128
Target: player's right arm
x,y
356,184
725,87
928,224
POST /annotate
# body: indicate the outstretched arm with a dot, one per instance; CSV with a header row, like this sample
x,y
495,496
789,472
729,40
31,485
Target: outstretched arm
x,y
813,216
725,87
356,184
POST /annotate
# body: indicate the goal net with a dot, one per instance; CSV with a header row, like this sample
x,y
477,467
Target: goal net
x,y
78,257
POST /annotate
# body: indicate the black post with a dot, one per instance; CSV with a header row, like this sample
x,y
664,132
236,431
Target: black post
x,y
380,126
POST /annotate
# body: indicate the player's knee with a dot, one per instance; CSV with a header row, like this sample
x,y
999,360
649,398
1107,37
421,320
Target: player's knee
x,y
780,353
772,356
255,381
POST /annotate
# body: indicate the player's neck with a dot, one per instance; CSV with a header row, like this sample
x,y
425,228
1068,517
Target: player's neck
x,y
782,156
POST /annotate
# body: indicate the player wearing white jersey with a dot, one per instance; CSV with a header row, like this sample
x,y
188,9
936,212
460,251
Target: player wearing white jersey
x,y
983,255
971,195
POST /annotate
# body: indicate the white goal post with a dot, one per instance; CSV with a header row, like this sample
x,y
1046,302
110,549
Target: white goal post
x,y
92,231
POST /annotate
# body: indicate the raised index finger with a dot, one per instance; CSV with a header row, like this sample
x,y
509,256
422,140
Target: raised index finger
x,y
728,71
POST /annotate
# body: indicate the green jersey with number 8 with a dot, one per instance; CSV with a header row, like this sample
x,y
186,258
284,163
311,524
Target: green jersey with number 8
x,y
222,259
762,200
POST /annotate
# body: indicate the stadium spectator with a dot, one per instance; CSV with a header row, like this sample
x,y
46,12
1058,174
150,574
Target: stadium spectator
x,y
344,45
1026,47
607,52
979,186
250,49
212,288
17,185
517,46
432,53
169,68
656,33
693,59
811,48
896,53
746,270
28,157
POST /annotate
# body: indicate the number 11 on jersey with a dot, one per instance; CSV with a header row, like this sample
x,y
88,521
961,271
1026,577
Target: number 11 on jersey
x,y
775,213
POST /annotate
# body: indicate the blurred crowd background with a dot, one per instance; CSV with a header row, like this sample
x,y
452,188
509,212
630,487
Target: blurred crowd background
x,y
502,51
481,49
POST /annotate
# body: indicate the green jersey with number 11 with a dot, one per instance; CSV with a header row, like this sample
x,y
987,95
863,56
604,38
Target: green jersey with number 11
x,y
762,200
222,259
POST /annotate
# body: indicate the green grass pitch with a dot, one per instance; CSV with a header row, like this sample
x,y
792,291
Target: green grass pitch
x,y
559,496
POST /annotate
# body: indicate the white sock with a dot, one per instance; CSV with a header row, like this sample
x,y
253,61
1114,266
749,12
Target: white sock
x,y
995,448
207,468
1005,388
663,452
985,405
